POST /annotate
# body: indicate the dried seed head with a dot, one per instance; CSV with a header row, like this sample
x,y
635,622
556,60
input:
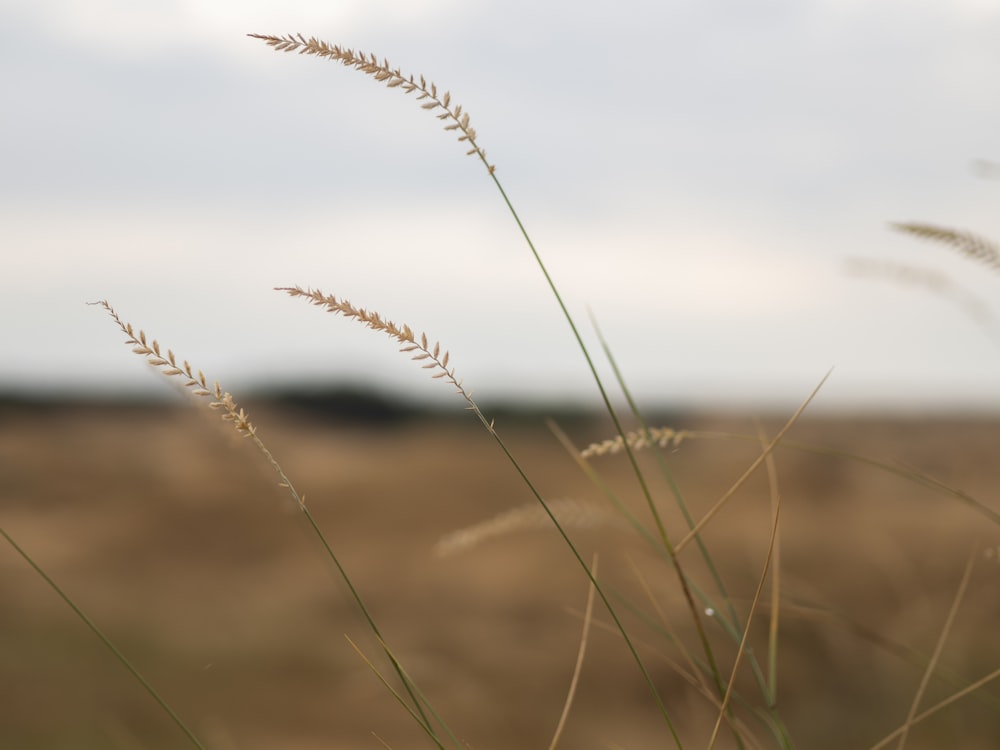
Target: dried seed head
x,y
384,73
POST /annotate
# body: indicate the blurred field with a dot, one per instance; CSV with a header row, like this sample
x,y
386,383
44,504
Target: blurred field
x,y
172,535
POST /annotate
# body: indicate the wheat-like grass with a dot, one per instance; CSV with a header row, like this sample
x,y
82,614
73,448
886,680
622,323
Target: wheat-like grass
x,y
199,385
421,347
571,512
457,118
659,436
197,381
971,245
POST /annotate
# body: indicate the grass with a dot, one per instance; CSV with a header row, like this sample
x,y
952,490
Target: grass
x,y
723,641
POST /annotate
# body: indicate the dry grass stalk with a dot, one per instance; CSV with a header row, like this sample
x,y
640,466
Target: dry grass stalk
x,y
926,714
408,343
769,560
938,648
168,366
392,77
975,247
661,436
588,617
750,470
196,381
531,517
403,335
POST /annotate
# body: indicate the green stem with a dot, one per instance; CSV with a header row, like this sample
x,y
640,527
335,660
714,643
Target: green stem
x,y
105,640
579,558
356,595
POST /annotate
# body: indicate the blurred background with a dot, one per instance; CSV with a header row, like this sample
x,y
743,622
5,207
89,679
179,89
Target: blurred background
x,y
170,532
698,175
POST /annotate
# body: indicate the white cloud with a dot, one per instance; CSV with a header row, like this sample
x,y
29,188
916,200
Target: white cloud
x,y
119,29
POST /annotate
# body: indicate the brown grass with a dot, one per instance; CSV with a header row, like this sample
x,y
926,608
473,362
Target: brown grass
x,y
158,529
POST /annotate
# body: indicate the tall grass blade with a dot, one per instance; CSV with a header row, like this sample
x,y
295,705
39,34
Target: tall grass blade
x,y
938,648
588,615
746,632
752,468
122,659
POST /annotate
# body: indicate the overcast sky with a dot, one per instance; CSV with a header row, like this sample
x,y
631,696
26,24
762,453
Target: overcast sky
x,y
696,173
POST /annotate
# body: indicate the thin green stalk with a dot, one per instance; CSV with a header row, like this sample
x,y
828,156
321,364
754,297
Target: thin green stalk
x,y
106,641
431,354
706,556
590,576
636,470
661,529
368,662
679,498
411,688
905,473
668,475
746,630
773,620
732,628
775,441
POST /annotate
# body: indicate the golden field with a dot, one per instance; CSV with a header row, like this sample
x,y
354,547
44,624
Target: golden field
x,y
169,530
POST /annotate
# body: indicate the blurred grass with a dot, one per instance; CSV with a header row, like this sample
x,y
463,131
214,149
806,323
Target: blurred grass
x,y
175,540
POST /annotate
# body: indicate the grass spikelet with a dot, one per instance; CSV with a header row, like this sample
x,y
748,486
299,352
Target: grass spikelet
x,y
971,245
427,92
571,513
420,347
222,400
659,436
168,365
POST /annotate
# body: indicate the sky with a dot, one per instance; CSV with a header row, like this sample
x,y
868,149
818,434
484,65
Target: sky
x,y
711,181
